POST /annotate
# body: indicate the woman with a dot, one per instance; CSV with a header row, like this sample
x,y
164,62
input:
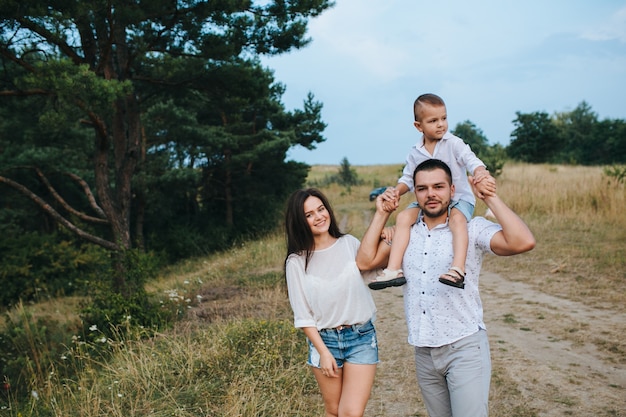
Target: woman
x,y
331,303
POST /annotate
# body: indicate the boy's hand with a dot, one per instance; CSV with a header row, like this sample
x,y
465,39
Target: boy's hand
x,y
486,187
391,199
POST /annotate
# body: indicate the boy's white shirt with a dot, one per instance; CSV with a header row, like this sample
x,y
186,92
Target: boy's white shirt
x,y
454,152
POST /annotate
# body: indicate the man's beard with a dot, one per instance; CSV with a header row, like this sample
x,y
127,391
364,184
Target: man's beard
x,y
434,214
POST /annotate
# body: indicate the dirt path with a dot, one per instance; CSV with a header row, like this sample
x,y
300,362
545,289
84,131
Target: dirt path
x,y
545,353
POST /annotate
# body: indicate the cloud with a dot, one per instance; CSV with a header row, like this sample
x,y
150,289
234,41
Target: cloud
x,y
352,34
614,28
369,59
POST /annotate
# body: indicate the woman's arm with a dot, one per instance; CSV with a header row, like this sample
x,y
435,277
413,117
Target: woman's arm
x,y
327,361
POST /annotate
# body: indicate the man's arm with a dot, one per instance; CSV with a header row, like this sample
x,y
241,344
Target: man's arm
x,y
515,236
374,252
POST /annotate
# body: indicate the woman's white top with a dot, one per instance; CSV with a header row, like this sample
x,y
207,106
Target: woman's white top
x,y
332,291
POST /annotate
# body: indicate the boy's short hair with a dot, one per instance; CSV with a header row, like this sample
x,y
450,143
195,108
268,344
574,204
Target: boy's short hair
x,y
431,99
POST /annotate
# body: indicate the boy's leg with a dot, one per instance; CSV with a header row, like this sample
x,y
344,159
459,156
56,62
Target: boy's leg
x,y
404,221
393,275
460,241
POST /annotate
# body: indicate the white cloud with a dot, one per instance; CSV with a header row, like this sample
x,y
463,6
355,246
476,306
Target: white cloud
x,y
352,34
613,28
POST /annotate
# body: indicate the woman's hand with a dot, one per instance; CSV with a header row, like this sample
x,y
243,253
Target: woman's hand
x,y
328,365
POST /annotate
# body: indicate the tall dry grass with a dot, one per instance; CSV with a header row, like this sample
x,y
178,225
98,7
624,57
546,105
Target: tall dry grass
x,y
237,354
578,218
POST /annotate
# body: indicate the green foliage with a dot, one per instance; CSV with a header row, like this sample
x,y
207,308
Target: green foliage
x,y
493,156
34,267
535,138
113,312
473,136
616,173
171,119
72,83
574,137
30,348
346,176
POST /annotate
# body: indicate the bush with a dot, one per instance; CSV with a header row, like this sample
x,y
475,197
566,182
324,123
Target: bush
x,y
30,348
114,313
37,266
616,173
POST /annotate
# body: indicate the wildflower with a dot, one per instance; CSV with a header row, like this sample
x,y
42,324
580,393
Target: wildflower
x,y
34,394
93,328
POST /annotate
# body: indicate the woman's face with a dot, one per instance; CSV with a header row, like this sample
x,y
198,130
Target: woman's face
x,y
316,215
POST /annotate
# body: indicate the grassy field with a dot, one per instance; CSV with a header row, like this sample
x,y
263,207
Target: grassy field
x,y
237,353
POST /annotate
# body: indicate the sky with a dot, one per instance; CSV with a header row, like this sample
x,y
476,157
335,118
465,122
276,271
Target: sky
x,y
368,60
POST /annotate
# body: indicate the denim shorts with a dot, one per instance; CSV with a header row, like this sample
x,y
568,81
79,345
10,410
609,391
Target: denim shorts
x,y
463,206
353,344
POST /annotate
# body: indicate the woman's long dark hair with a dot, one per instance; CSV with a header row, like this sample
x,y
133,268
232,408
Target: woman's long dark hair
x,y
299,236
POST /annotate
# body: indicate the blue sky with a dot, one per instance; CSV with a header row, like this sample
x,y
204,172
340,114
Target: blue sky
x,y
369,60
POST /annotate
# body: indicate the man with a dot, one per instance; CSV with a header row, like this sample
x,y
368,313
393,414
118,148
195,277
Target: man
x,y
445,323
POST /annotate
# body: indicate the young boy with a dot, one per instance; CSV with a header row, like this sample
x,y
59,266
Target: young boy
x,y
431,119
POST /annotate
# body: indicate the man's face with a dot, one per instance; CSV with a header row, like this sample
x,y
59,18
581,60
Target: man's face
x,y
433,122
433,192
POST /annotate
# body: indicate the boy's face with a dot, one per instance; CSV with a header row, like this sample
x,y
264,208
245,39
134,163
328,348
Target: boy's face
x,y
433,121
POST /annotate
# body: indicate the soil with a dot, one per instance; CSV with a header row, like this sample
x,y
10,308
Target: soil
x,y
547,354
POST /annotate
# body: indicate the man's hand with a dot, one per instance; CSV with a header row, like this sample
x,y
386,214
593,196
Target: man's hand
x,y
485,187
374,250
390,199
483,181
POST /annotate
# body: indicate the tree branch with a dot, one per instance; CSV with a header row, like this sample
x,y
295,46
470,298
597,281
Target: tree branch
x,y
88,193
66,206
62,220
31,92
52,38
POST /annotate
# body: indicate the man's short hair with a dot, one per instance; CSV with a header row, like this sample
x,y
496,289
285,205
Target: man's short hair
x,y
431,165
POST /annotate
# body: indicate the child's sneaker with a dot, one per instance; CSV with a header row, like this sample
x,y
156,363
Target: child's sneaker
x,y
388,279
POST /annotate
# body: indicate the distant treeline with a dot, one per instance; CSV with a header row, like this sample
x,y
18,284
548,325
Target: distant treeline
x,y
574,137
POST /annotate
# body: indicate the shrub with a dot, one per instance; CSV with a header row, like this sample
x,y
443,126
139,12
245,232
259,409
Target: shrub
x,y
113,312
37,266
615,173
